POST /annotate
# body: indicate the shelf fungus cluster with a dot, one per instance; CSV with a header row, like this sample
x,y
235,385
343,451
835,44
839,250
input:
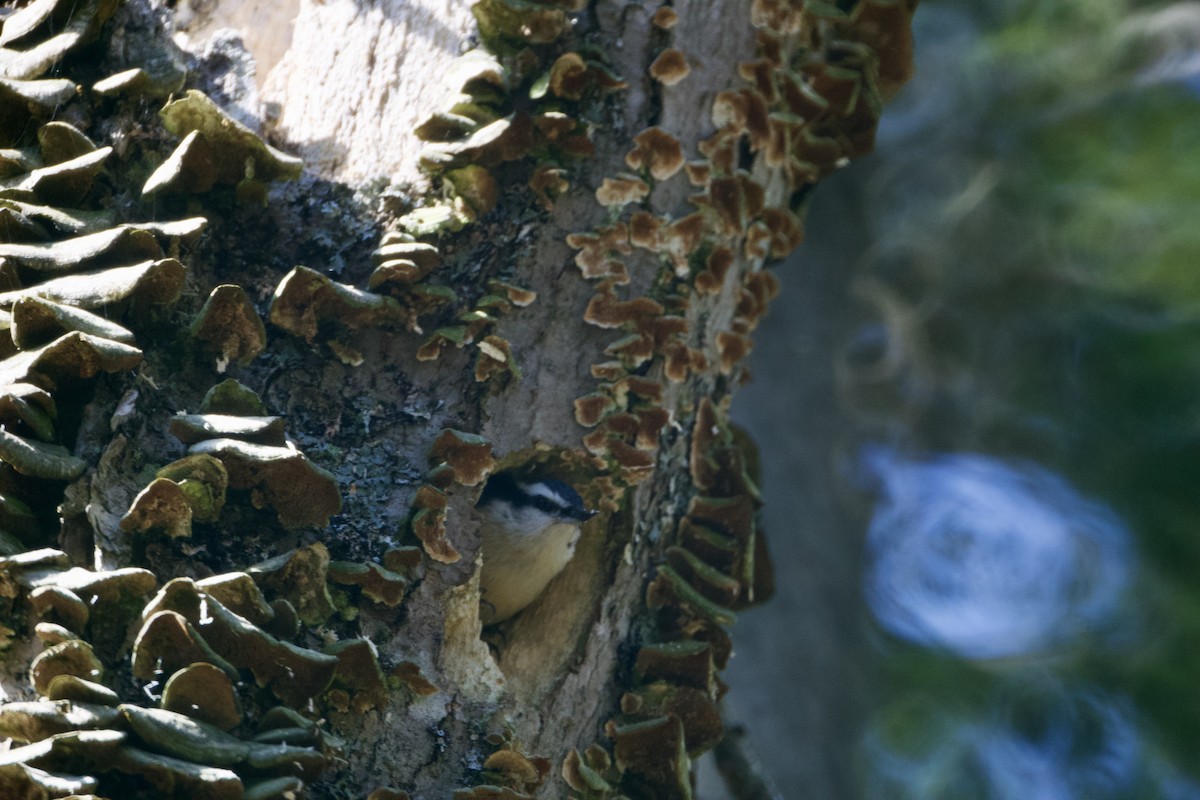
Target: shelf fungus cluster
x,y
507,104
809,102
216,150
516,98
194,640
456,458
715,566
231,449
77,287
399,297
198,646
75,283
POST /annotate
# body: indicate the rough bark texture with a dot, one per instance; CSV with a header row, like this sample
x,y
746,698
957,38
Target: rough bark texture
x,y
362,398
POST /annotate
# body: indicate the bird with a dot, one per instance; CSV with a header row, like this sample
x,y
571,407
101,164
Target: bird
x,y
529,529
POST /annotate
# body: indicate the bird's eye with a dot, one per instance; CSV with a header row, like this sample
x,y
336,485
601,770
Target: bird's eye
x,y
543,504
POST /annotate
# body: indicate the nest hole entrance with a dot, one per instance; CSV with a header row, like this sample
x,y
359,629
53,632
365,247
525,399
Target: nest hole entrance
x,y
541,641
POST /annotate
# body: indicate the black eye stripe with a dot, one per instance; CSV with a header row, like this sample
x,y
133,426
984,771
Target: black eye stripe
x,y
545,504
549,496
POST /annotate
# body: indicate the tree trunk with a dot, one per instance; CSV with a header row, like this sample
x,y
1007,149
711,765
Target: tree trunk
x,y
549,159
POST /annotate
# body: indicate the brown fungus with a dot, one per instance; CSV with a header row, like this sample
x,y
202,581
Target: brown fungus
x,y
409,674
763,74
548,183
572,77
470,455
37,720
24,101
670,67
476,185
60,605
425,257
644,230
515,770
73,657
670,594
503,140
697,712
786,231
716,267
167,642
632,350
604,310
665,17
63,184
516,295
376,583
299,576
137,82
306,300
681,238
532,24
681,663
238,592
243,153
157,282
72,356
190,169
232,397
39,459
708,581
162,508
598,251
698,172
283,478
565,136
431,348
177,776
732,347
294,674
36,321
78,690
358,671
428,523
228,326
656,152
203,480
620,191
886,27
495,359
204,692
653,758
584,773
592,408
198,742
721,150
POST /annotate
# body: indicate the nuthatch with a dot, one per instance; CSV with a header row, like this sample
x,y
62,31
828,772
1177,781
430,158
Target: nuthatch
x,y
529,531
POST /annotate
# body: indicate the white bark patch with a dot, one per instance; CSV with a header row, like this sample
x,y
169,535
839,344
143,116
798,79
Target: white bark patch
x,y
350,80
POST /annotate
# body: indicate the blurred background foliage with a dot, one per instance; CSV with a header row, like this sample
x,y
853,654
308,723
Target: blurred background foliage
x,y
1031,291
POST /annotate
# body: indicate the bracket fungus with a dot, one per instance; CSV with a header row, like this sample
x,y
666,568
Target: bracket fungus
x,y
243,153
670,67
280,477
228,326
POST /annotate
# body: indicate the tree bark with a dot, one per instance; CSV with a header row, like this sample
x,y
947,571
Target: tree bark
x,y
560,171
